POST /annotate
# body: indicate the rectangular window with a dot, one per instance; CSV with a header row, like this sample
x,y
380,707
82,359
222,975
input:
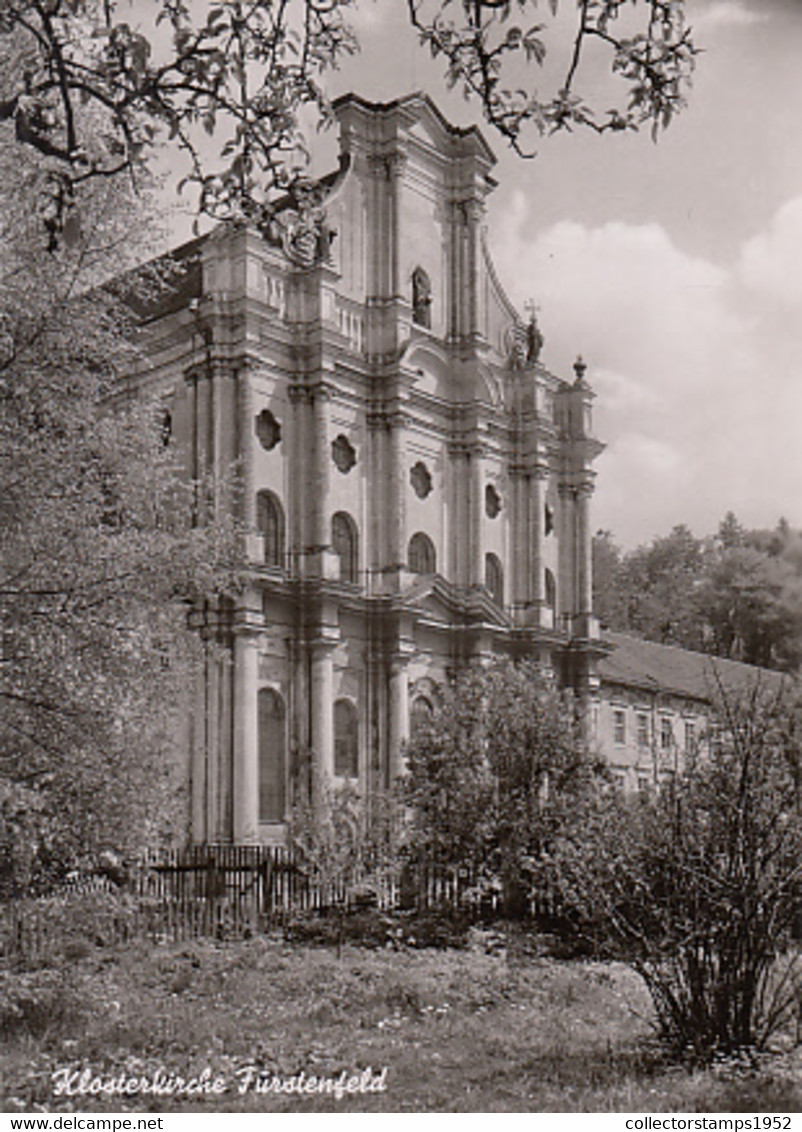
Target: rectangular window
x,y
644,783
620,726
643,730
666,735
690,736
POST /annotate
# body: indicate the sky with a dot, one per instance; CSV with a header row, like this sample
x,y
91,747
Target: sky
x,y
674,268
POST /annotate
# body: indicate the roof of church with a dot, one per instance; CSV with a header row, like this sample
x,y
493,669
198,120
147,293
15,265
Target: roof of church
x,y
667,668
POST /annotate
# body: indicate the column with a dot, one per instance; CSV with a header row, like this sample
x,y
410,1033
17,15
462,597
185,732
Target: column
x,y
399,716
396,513
566,582
477,572
245,431
323,708
584,550
320,469
518,542
198,771
536,521
395,171
246,740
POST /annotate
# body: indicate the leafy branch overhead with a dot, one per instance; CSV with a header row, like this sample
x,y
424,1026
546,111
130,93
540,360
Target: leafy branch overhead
x,y
245,72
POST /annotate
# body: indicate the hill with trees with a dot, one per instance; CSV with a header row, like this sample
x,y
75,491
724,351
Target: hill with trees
x,y
735,594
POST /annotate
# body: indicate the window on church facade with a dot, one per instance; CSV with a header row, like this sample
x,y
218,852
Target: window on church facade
x,y
420,713
270,523
346,740
494,578
272,756
345,542
422,557
421,298
551,590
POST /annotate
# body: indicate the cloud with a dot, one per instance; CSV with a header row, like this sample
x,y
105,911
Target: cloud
x,y
698,415
728,13
771,262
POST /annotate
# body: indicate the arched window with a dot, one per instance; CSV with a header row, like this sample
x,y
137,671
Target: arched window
x,y
346,740
551,590
270,523
422,556
494,578
421,298
272,756
345,541
420,713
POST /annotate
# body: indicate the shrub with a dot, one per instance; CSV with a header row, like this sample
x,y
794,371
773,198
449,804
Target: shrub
x,y
698,888
40,1003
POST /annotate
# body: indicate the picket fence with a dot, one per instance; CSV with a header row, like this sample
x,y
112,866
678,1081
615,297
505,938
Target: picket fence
x,y
225,892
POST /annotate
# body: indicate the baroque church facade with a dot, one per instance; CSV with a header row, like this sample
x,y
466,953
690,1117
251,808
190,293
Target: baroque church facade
x,y
415,483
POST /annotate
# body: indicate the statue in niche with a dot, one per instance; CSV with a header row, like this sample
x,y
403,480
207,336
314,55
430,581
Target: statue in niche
x,y
421,298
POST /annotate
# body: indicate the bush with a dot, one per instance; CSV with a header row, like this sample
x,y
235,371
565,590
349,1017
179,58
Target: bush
x,y
698,888
40,1003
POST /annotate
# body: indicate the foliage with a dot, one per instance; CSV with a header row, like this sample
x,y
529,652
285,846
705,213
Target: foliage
x,y
98,555
493,772
699,887
248,71
737,594
41,1004
346,846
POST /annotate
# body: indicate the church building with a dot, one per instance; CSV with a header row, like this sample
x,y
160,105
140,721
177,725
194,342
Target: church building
x,y
414,482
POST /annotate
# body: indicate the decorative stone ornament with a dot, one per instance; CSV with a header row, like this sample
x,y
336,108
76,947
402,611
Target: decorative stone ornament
x,y
343,454
421,479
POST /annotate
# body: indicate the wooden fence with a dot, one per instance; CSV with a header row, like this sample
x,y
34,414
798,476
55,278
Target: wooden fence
x,y
228,892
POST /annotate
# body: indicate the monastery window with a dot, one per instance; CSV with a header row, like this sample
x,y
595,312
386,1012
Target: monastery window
x,y
494,578
420,714
422,557
346,740
272,756
643,729
270,523
421,298
690,736
551,590
345,540
620,726
666,734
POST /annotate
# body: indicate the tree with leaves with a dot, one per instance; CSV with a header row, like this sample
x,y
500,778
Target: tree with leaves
x,y
492,772
737,594
247,71
98,554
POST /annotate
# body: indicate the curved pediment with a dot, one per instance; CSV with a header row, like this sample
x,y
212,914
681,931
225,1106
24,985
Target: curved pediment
x,y
435,373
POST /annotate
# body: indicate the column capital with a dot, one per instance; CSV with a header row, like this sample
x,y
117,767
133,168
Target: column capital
x,y
326,639
299,393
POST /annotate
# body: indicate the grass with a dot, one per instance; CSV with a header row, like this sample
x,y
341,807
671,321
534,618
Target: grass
x,y
459,1031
